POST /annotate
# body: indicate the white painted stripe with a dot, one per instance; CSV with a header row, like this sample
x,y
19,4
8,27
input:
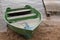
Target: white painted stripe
x,y
19,11
21,16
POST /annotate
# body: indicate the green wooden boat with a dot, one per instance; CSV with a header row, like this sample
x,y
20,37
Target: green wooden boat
x,y
23,21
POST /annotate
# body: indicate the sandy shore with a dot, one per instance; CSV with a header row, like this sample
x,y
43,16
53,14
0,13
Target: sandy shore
x,y
48,30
